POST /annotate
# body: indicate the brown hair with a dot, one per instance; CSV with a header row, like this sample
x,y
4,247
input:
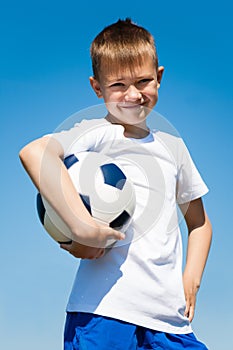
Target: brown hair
x,y
121,45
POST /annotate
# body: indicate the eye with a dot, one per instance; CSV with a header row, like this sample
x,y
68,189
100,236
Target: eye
x,y
118,84
145,81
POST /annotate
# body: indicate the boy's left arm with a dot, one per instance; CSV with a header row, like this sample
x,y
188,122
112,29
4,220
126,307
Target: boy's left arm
x,y
199,241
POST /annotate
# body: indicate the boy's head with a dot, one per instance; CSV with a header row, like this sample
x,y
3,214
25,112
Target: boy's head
x,y
121,44
126,74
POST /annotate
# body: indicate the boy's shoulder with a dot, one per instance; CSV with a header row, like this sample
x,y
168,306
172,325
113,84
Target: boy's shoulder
x,y
80,128
88,134
168,139
172,143
91,123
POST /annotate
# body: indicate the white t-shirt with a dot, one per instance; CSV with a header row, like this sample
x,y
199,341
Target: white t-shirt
x,y
139,280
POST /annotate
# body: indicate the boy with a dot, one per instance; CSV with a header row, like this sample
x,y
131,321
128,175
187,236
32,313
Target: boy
x,y
132,296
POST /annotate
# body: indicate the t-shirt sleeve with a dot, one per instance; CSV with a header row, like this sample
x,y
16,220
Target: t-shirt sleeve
x,y
70,140
190,184
81,137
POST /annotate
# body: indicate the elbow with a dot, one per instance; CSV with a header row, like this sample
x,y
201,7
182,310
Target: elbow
x,y
209,226
23,154
42,149
33,150
26,154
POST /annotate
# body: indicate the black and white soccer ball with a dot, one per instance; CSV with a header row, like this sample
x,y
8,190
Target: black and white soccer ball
x,y
104,188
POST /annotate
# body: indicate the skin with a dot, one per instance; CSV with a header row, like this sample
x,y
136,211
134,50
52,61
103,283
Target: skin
x,y
129,98
199,241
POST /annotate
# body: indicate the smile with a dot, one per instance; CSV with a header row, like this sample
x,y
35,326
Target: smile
x,y
131,105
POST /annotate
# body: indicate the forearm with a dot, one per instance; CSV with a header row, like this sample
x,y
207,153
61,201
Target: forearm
x,y
199,242
42,160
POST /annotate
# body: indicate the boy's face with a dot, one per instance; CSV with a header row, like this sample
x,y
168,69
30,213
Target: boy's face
x,y
131,94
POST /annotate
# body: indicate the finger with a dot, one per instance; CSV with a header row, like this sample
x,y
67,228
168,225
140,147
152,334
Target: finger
x,y
97,254
65,246
191,313
101,253
186,312
116,235
189,310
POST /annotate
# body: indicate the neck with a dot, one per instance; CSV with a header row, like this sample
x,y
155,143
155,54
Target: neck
x,y
136,131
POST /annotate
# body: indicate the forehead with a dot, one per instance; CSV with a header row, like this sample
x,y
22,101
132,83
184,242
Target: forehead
x,y
145,67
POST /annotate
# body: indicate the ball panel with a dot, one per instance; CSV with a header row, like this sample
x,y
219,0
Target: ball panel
x,y
40,208
54,232
56,221
70,160
113,175
110,201
122,220
86,202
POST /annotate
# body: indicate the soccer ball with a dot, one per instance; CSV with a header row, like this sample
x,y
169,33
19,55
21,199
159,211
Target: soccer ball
x,y
104,188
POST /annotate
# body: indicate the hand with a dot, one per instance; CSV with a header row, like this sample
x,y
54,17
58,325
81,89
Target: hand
x,y
96,235
81,251
190,290
90,241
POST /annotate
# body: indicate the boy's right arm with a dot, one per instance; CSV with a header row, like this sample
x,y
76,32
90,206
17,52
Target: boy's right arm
x,y
43,161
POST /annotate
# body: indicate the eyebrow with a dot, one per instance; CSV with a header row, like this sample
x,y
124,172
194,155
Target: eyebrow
x,y
146,75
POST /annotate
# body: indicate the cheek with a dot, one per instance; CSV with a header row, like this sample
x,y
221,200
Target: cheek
x,y
152,93
110,102
113,97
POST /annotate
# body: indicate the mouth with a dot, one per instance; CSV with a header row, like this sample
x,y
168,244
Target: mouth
x,y
131,105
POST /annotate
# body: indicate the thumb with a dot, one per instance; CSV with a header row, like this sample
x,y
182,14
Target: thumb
x,y
110,232
112,237
118,235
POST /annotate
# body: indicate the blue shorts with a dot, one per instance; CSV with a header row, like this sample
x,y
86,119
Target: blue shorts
x,y
84,331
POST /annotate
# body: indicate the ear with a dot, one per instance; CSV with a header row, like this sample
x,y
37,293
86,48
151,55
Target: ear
x,y
159,76
96,86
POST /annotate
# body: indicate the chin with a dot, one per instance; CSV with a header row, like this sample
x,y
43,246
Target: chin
x,y
131,115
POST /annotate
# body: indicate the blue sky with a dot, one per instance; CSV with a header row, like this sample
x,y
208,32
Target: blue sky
x,y
44,73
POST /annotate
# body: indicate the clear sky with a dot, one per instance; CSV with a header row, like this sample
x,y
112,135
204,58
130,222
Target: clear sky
x,y
44,70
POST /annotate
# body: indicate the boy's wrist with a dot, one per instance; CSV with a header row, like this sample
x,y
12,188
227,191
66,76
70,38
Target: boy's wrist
x,y
191,279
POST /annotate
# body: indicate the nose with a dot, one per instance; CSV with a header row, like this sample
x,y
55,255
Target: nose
x,y
133,94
